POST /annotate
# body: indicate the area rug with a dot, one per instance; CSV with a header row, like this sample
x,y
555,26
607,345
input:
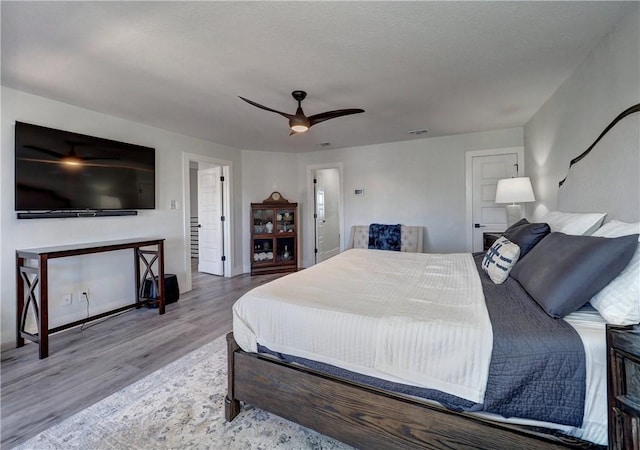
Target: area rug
x,y
178,407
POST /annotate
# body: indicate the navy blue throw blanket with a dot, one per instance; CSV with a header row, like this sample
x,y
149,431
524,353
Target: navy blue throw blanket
x,y
384,237
537,361
537,368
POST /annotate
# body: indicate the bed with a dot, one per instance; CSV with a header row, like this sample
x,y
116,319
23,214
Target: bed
x,y
373,393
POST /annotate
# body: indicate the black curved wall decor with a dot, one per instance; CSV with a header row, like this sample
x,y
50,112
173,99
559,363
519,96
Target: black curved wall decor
x,y
622,115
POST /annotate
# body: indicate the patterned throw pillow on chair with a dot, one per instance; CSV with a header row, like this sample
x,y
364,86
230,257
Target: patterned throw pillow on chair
x,y
500,259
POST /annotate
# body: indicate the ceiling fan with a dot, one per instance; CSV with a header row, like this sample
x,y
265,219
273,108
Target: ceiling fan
x,y
298,122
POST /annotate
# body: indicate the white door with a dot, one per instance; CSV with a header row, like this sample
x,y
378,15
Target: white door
x,y
486,214
210,220
327,189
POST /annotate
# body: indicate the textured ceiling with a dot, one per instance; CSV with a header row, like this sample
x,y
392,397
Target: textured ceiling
x,y
451,67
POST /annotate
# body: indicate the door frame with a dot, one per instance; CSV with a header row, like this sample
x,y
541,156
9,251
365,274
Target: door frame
x,y
469,181
227,229
310,226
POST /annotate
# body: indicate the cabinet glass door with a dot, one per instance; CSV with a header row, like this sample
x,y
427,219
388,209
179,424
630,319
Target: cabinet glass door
x,y
263,250
286,249
286,221
262,221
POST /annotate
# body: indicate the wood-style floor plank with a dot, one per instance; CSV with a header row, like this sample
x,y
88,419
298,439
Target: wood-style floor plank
x,y
85,366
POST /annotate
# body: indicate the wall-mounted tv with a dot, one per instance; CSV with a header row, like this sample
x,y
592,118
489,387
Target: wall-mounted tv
x,y
61,171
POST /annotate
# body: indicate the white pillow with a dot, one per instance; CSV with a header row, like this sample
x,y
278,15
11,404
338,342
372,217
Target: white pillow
x,y
619,301
580,224
617,228
500,259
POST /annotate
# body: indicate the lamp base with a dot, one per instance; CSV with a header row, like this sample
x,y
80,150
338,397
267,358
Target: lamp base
x,y
514,213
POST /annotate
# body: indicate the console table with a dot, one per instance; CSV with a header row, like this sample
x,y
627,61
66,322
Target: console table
x,y
33,279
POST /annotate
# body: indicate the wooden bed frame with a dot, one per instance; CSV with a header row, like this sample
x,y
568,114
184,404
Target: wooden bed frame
x,y
372,418
366,417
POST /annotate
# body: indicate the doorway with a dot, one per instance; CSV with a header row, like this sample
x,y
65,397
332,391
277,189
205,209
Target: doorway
x,y
483,170
207,205
210,218
327,212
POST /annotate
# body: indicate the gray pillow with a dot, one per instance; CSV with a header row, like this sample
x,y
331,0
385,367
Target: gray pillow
x,y
526,235
564,271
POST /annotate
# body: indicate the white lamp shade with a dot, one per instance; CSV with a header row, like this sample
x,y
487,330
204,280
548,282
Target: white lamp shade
x,y
514,190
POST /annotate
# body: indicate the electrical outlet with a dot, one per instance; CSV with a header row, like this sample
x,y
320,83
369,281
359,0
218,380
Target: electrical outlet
x,y
81,294
66,299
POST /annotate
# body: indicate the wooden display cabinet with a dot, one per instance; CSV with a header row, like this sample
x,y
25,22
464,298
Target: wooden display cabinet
x,y
274,235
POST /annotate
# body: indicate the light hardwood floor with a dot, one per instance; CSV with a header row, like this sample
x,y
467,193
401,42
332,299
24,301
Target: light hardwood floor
x,y
89,365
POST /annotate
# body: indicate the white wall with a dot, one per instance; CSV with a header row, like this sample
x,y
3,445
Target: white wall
x,y
108,276
263,173
418,182
605,83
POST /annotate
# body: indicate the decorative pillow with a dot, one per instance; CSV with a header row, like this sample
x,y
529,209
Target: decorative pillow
x,y
385,237
581,224
522,221
500,259
617,228
563,271
619,301
526,235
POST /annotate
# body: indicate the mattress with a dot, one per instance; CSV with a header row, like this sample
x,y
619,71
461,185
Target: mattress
x,y
340,313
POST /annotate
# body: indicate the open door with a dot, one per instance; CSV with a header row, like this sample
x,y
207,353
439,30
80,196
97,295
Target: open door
x,y
210,220
327,213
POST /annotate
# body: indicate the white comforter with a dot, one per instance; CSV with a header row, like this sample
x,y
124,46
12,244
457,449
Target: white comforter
x,y
435,333
442,338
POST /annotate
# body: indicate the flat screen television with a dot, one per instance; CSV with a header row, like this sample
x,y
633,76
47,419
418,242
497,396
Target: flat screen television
x,y
58,170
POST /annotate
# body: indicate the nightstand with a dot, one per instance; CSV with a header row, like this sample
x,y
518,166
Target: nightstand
x,y
623,386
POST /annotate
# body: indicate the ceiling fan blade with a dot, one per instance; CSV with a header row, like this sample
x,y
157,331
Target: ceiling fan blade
x,y
258,105
97,158
317,118
73,154
46,151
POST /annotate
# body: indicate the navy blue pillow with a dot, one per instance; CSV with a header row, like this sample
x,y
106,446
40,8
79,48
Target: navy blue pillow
x,y
526,235
564,271
385,237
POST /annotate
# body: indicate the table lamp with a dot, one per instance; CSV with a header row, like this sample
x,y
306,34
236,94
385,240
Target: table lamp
x,y
513,191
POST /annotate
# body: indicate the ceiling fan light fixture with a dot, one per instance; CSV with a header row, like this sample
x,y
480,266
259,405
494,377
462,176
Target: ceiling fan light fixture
x,y
299,123
299,128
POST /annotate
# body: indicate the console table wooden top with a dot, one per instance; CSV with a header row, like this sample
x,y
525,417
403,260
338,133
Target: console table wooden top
x,y
60,251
